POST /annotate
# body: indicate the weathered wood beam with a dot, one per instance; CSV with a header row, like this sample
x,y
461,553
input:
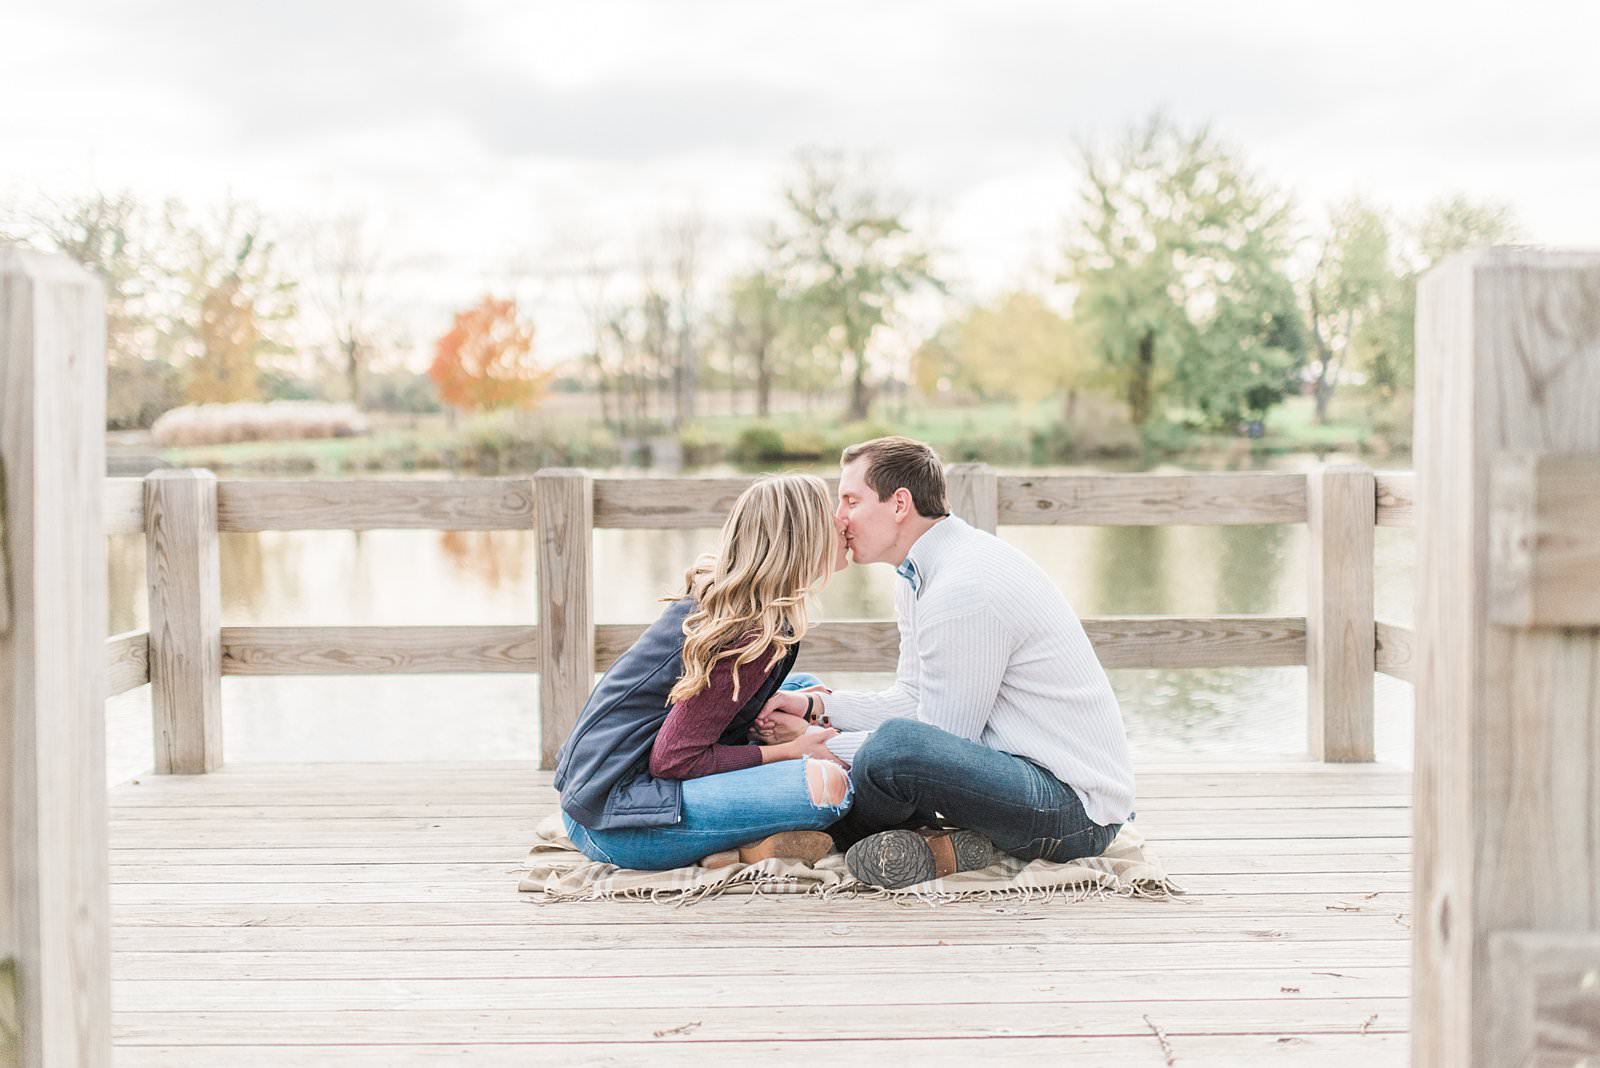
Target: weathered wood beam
x,y
1340,640
1508,718
566,500
1152,500
1396,500
1544,541
55,957
127,661
378,650
375,504
184,576
1394,652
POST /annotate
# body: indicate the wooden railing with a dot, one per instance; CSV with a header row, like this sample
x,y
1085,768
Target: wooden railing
x,y
186,651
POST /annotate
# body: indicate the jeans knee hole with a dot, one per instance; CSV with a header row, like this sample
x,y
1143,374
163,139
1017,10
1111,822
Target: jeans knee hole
x,y
827,784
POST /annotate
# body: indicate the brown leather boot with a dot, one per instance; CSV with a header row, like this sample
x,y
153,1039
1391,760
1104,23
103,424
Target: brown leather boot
x,y
807,847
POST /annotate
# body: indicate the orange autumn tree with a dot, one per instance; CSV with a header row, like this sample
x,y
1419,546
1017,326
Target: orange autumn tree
x,y
486,360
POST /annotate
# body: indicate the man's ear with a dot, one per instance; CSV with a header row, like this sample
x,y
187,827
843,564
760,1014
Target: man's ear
x,y
904,506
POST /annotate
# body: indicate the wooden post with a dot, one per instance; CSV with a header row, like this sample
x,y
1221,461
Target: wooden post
x,y
1341,637
55,944
181,545
564,510
1507,831
1547,997
974,494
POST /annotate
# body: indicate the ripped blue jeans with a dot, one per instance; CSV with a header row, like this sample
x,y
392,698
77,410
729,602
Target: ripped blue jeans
x,y
720,812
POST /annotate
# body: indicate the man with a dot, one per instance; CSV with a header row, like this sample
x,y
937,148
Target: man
x,y
1000,721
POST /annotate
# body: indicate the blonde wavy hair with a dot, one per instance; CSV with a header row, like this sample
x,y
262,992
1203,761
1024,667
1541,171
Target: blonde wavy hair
x,y
777,551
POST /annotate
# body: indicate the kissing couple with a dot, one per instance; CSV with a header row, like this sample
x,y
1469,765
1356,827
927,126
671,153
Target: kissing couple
x,y
701,745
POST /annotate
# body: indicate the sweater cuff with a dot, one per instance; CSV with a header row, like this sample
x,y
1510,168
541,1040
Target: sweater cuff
x,y
846,744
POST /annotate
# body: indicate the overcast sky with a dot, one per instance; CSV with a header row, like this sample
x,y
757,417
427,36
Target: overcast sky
x,y
489,142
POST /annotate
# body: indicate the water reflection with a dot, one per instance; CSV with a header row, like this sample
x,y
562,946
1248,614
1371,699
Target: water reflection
x,y
1250,565
492,558
1132,570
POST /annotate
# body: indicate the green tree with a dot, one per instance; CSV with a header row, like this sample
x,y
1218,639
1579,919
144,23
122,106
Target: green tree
x,y
1016,347
235,308
850,257
1347,292
1178,258
1386,342
113,235
755,326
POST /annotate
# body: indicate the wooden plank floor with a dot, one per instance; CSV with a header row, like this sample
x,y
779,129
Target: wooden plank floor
x,y
276,915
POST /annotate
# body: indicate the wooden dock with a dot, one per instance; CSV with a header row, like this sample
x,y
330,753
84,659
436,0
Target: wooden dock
x,y
368,914
276,915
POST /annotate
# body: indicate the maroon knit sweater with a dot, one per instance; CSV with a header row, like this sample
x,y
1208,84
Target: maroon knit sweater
x,y
686,747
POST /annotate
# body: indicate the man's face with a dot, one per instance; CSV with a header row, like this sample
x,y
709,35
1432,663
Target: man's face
x,y
870,526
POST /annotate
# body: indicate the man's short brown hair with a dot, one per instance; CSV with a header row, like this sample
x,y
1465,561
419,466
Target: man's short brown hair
x,y
901,463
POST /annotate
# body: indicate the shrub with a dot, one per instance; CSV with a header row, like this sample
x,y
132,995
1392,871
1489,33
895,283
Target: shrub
x,y
1053,444
219,424
697,446
758,443
492,446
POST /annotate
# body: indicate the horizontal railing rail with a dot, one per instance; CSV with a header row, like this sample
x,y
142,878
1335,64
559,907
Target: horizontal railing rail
x,y
250,505
1119,641
127,661
181,522
1394,651
1396,500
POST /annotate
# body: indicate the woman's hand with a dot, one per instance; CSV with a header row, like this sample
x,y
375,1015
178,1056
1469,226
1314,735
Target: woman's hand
x,y
813,743
774,728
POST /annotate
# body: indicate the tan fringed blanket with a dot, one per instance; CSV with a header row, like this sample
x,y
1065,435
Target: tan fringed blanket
x,y
558,872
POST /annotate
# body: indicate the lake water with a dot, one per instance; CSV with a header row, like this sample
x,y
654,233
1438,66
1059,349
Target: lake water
x,y
431,578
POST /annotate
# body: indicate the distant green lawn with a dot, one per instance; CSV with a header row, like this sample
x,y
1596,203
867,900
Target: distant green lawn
x,y
1290,427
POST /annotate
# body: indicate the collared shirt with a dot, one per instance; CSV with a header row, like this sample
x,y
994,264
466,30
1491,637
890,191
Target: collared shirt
x,y
991,651
908,571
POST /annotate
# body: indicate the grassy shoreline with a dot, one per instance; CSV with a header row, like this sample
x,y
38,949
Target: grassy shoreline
x,y
1003,435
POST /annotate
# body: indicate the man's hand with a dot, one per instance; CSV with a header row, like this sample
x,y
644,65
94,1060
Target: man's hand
x,y
773,728
789,702
814,744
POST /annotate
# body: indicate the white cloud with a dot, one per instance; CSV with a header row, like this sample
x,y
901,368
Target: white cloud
x,y
492,141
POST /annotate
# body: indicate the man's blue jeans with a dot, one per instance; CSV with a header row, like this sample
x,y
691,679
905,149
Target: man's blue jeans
x,y
719,812
910,774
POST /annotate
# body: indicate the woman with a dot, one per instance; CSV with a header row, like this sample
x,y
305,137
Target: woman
x,y
659,771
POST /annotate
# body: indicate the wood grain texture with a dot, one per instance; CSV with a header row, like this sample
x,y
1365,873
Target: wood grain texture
x,y
377,948
1152,500
183,570
375,504
127,661
1374,1049
1340,638
1087,500
54,925
1544,540
1547,987
1396,499
667,503
378,650
1119,642
566,603
1508,719
974,492
1396,648
124,505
